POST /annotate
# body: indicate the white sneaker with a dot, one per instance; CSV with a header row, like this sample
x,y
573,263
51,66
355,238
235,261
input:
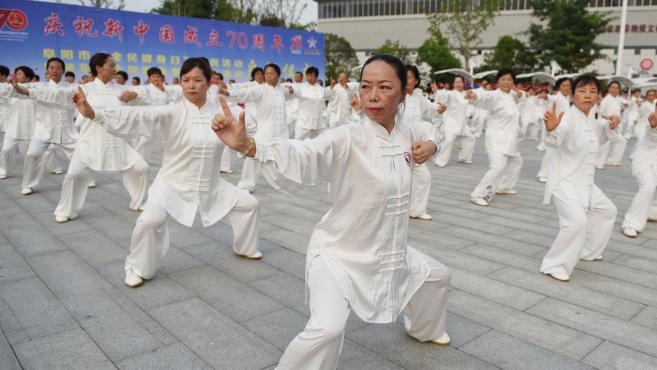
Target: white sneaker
x,y
2,177
255,256
61,219
132,279
560,277
26,191
58,171
464,161
443,340
542,180
227,172
479,201
140,209
92,184
630,232
506,192
425,217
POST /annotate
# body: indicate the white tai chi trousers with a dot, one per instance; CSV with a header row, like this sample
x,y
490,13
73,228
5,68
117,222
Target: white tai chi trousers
x,y
611,153
583,234
547,158
502,174
36,162
76,182
250,170
642,207
319,345
420,188
150,238
467,149
7,154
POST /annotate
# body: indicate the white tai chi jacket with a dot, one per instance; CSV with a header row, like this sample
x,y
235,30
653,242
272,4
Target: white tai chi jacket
x,y
310,105
98,149
572,165
188,181
269,104
363,237
502,123
54,112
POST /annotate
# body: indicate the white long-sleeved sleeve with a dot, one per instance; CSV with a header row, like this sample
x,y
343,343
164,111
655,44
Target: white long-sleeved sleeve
x,y
128,122
60,95
250,93
289,164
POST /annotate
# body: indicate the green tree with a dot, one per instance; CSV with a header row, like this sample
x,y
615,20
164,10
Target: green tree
x,y
510,53
103,4
340,56
394,48
241,11
435,52
464,22
566,33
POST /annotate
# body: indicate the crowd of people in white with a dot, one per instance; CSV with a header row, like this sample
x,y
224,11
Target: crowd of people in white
x,y
370,140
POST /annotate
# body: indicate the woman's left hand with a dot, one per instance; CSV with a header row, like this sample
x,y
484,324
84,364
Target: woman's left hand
x,y
422,150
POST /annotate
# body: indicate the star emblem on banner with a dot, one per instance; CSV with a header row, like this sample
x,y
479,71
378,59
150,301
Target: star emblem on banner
x,y
312,42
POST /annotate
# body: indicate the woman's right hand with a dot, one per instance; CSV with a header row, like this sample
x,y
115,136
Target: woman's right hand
x,y
551,119
230,131
80,101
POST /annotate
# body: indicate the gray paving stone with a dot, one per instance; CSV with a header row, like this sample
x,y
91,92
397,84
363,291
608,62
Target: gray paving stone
x,y
277,328
618,288
584,297
66,274
177,260
110,326
71,349
233,298
618,272
14,218
462,330
495,240
392,342
224,259
641,263
355,356
505,257
494,290
213,336
30,311
283,259
462,260
182,236
511,353
13,266
8,359
554,337
602,326
647,317
611,356
94,248
33,241
159,291
171,357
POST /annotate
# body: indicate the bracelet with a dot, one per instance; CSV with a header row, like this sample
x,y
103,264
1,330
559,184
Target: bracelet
x,y
250,147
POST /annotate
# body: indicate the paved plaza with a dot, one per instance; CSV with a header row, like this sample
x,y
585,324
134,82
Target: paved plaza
x,y
63,304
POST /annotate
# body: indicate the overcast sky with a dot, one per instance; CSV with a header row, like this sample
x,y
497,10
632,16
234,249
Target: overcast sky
x,y
145,6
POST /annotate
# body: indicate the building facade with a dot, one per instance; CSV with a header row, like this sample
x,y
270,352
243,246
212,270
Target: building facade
x,y
367,24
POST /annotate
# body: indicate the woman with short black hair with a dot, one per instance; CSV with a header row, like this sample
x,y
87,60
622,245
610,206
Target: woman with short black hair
x,y
586,215
502,139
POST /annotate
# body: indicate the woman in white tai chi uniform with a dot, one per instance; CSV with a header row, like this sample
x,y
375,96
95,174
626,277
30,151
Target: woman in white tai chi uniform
x,y
98,150
586,215
455,124
502,139
416,108
644,169
188,181
21,120
358,257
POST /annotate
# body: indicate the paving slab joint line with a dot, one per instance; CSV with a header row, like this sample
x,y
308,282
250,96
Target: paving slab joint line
x,y
477,337
544,298
12,349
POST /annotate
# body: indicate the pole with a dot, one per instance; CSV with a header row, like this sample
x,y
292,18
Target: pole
x,y
621,41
